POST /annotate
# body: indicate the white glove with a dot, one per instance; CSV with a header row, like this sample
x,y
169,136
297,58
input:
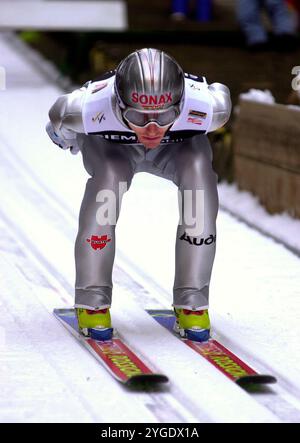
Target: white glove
x,y
62,142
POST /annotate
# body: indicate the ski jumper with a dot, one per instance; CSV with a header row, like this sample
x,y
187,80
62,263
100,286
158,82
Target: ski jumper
x,y
90,120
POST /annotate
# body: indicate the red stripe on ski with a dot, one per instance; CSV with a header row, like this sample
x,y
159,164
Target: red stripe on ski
x,y
118,357
228,363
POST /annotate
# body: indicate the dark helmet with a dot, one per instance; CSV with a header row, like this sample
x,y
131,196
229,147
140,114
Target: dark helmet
x,y
149,79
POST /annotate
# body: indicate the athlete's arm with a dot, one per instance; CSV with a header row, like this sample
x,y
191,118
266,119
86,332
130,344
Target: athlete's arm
x,y
66,113
66,120
221,100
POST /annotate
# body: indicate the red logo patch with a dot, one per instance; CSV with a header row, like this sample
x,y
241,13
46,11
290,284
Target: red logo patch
x,y
98,242
99,86
188,312
195,121
151,100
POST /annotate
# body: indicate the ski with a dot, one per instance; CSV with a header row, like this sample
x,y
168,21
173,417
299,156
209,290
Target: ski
x,y
214,352
122,363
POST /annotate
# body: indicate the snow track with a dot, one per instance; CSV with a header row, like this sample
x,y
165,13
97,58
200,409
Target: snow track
x,y
47,376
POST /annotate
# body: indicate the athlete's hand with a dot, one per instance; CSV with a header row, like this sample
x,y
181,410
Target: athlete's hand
x,y
61,141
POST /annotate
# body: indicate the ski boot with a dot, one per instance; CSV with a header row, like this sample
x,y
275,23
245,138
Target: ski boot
x,y
193,325
95,324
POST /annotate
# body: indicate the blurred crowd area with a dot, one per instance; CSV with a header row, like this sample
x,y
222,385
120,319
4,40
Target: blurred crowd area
x,y
242,43
245,44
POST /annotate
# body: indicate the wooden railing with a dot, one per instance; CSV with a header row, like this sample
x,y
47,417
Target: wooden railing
x,y
267,155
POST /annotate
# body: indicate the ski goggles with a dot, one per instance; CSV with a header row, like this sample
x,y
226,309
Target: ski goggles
x,y
140,118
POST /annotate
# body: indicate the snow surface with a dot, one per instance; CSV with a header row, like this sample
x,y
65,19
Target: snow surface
x,y
45,374
257,95
282,227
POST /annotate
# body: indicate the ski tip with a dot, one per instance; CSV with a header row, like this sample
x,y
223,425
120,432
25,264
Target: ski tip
x,y
256,379
143,379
